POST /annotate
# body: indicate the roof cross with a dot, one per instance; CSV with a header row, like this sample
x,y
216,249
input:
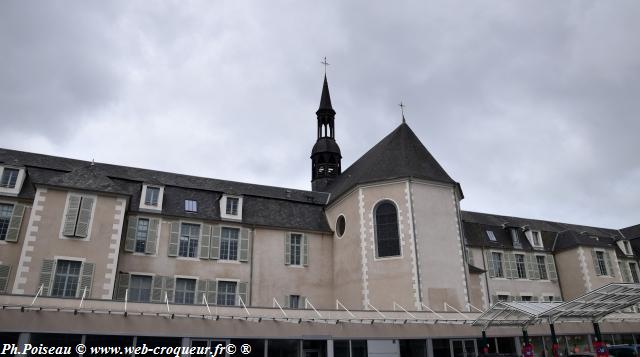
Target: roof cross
x,y
401,105
325,63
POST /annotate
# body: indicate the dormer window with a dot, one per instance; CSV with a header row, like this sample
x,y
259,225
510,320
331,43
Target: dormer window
x,y
625,246
191,206
231,207
491,235
535,238
151,198
514,238
11,179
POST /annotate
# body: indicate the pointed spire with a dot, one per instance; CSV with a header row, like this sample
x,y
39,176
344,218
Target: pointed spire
x,y
325,99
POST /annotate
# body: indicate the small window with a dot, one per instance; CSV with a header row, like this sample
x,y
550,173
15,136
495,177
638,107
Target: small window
x,y
140,288
151,198
226,293
502,297
537,239
627,247
191,206
5,217
189,237
185,291
9,178
65,282
77,219
142,232
294,301
547,298
229,243
602,265
232,206
387,235
515,239
542,267
526,298
340,226
496,264
634,272
491,235
520,265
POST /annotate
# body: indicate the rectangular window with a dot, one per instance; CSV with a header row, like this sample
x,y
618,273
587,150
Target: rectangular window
x,y
142,232
191,206
294,301
78,216
189,236
491,235
526,298
226,293
9,178
65,282
151,198
537,239
140,288
497,265
634,272
515,239
503,297
229,243
602,265
232,206
542,267
5,217
521,266
185,291
296,249
627,247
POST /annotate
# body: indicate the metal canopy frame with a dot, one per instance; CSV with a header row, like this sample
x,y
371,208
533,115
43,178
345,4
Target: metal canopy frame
x,y
593,306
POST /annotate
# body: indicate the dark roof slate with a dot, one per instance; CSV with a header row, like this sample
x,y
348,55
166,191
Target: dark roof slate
x,y
631,232
90,178
398,155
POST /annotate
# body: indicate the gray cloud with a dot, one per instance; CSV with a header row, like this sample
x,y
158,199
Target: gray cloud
x,y
532,106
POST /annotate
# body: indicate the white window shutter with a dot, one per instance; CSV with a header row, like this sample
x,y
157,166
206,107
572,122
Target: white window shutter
x,y
174,239
551,268
243,292
73,206
201,290
169,288
215,242
287,248
152,236
13,231
244,245
156,289
212,292
130,239
84,217
86,280
205,242
305,250
46,275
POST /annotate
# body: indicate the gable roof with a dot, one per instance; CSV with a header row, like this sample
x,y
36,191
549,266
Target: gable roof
x,y
398,155
631,232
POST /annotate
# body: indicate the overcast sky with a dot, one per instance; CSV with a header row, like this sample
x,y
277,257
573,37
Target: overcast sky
x,y
534,107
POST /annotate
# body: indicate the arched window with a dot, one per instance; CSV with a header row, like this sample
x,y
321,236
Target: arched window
x,y
387,236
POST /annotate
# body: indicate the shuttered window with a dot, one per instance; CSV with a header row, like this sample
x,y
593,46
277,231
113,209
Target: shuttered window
x,y
67,275
387,235
296,249
542,267
189,236
226,293
229,243
6,210
142,232
78,217
185,291
139,288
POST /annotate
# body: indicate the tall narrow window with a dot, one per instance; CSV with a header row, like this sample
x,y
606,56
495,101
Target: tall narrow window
x,y
151,198
296,249
226,292
9,178
537,240
520,265
229,243
497,264
294,301
189,236
387,235
185,291
602,265
141,235
542,267
5,217
65,282
139,288
232,206
634,272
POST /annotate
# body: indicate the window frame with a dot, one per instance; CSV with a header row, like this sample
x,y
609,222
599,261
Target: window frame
x,y
633,268
190,206
491,235
197,245
237,244
538,234
521,266
292,251
542,268
66,211
4,229
184,292
223,208
67,274
15,190
235,293
130,286
138,238
493,264
143,198
602,263
376,238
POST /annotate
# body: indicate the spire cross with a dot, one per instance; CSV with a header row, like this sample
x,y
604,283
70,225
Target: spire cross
x,y
325,63
401,105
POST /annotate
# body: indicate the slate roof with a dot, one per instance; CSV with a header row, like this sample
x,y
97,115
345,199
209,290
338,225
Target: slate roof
x,y
398,155
262,205
631,232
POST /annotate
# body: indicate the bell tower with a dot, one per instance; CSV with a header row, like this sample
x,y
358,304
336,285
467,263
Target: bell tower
x,y
325,156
